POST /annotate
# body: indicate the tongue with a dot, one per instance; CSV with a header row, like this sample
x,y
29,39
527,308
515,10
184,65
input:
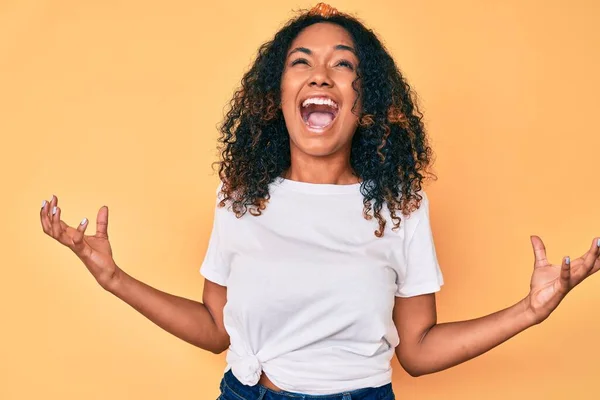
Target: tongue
x,y
319,119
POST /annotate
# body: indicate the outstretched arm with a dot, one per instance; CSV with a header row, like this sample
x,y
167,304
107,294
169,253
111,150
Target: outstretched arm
x,y
426,346
200,324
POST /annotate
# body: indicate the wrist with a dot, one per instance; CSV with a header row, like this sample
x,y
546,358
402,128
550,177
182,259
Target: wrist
x,y
530,317
115,283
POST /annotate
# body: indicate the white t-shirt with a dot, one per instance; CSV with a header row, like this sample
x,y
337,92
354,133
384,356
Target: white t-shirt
x,y
310,288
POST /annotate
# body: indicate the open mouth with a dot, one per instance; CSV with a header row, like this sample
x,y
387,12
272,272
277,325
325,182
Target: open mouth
x,y
318,112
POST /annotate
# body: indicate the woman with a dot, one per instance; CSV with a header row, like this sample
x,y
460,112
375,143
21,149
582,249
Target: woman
x,y
320,293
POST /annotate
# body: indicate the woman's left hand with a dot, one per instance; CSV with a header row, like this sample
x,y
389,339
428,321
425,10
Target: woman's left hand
x,y
551,283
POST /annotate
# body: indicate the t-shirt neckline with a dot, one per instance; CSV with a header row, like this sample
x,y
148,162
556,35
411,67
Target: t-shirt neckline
x,y
317,188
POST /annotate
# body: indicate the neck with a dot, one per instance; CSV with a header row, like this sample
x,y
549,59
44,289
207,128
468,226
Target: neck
x,y
333,169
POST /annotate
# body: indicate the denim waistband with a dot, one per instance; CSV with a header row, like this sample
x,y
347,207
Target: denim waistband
x,y
232,388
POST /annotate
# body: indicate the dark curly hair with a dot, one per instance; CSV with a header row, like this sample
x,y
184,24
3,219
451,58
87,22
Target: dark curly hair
x,y
390,150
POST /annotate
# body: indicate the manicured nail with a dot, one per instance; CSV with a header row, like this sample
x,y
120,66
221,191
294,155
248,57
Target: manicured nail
x,y
53,210
598,243
44,205
568,260
83,221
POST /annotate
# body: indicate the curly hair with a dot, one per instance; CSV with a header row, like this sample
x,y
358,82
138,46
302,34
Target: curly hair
x,y
389,152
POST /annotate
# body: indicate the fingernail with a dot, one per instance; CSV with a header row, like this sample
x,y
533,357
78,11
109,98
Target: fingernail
x,y
53,210
44,205
598,243
83,221
568,260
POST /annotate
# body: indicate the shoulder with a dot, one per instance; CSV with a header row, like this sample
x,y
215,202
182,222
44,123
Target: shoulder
x,y
418,204
419,214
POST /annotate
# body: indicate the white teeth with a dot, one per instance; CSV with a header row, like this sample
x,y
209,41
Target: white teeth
x,y
319,100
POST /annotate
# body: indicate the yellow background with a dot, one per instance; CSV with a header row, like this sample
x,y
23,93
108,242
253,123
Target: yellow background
x,y
117,102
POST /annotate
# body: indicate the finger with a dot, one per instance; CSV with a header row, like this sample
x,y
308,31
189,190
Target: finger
x,y
565,275
48,214
539,251
596,267
51,212
55,221
597,263
597,241
44,219
591,256
53,202
102,222
60,229
79,245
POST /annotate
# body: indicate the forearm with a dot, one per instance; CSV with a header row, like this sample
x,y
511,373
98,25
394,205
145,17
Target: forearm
x,y
448,344
187,319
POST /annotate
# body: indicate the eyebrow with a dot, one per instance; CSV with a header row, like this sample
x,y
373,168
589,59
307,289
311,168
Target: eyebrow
x,y
309,52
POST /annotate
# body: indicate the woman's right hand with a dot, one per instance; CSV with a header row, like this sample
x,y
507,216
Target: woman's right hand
x,y
94,251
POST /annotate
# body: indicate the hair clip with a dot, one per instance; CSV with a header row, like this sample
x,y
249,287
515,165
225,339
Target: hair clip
x,y
324,10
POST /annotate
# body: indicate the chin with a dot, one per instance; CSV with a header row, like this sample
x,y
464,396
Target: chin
x,y
316,147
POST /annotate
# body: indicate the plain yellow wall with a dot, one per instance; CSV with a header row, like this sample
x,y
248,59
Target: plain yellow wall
x,y
117,103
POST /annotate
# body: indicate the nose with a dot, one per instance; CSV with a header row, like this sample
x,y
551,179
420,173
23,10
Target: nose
x,y
320,77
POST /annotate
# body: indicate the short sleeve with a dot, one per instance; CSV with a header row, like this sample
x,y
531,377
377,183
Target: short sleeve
x,y
416,264
215,266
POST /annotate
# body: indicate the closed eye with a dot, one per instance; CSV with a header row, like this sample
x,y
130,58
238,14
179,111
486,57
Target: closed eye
x,y
299,61
345,63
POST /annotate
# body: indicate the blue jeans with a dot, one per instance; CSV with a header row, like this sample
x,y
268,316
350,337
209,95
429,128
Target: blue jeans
x,y
232,389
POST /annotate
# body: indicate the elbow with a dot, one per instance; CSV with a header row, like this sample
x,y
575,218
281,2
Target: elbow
x,y
412,370
215,345
219,350
220,345
213,348
415,373
412,367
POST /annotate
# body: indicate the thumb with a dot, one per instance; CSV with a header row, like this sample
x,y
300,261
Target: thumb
x,y
539,251
102,223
